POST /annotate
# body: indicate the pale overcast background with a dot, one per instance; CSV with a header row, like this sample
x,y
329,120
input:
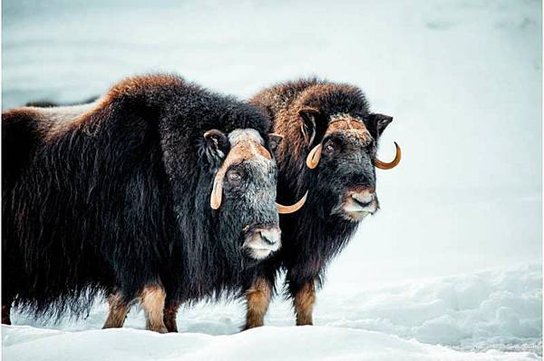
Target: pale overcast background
x,y
461,78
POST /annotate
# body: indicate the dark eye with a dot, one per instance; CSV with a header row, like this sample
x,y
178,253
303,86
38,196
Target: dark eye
x,y
234,177
330,147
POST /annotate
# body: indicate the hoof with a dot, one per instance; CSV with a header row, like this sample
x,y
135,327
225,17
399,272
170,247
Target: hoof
x,y
159,329
248,327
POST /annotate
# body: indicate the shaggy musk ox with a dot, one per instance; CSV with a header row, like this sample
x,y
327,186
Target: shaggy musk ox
x,y
329,149
159,190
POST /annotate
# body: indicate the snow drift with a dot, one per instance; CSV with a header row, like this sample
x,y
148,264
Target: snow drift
x,y
266,343
489,315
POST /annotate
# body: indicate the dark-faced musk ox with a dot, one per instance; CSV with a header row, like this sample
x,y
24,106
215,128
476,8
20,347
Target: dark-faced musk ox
x,y
329,152
160,190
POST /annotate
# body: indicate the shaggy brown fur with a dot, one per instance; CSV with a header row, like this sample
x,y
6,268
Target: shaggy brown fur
x,y
117,317
258,299
170,313
152,300
304,304
6,310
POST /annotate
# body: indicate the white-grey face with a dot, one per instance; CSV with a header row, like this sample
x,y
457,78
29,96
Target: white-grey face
x,y
250,184
244,135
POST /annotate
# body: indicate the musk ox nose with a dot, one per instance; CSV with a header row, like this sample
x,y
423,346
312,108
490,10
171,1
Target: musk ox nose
x,y
270,236
364,198
262,242
359,202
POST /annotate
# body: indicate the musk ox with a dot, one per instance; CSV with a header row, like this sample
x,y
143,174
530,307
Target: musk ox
x,y
329,149
159,190
329,153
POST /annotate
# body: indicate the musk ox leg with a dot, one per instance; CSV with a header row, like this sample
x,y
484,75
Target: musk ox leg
x,y
303,300
6,310
258,298
118,310
170,313
152,299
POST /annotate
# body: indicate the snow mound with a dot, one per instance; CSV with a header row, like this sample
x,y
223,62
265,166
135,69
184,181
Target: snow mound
x,y
479,311
266,343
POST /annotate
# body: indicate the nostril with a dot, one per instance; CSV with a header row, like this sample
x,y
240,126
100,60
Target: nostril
x,y
363,198
270,237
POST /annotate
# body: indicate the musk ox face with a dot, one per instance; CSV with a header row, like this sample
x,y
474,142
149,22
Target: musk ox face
x,y
244,193
250,189
345,158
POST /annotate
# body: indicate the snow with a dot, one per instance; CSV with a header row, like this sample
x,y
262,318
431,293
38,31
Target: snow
x,y
460,311
454,256
487,315
267,343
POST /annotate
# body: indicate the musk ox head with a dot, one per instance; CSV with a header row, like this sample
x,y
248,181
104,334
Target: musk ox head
x,y
342,138
244,190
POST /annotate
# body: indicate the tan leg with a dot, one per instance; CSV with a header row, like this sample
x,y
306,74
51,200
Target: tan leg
x,y
258,299
118,311
152,299
304,304
170,313
6,309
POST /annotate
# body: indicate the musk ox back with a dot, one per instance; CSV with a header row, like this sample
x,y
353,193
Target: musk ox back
x,y
329,149
158,188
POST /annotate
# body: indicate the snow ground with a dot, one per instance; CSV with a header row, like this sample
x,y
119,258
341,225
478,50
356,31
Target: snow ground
x,y
488,315
269,343
463,81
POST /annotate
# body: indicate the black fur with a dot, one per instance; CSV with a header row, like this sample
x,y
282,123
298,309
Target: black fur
x,y
121,198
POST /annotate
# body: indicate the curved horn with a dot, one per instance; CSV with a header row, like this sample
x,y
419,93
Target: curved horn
x,y
313,158
292,209
383,165
217,191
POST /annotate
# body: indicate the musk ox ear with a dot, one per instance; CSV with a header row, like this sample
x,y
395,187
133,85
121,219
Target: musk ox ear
x,y
274,139
311,124
379,122
215,147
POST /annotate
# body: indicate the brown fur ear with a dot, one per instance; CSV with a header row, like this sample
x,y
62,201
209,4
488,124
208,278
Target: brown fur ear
x,y
308,125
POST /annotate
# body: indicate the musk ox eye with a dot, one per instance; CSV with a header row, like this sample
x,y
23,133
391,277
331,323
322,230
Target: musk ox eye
x,y
330,147
234,177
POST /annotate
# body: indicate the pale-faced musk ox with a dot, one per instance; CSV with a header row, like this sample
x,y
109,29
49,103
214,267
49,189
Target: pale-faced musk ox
x,y
160,188
329,150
